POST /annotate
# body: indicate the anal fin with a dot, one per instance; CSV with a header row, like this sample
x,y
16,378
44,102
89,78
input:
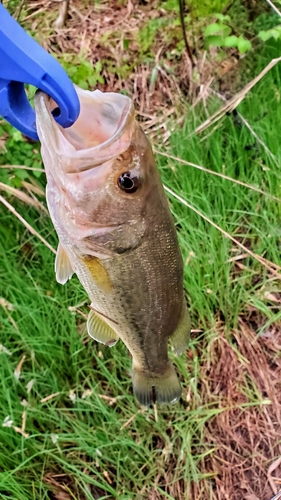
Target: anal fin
x,y
100,331
180,337
63,267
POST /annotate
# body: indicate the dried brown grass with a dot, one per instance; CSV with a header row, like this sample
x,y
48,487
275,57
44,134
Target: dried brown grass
x,y
247,438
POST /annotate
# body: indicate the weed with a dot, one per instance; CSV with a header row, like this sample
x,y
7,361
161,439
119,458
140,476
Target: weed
x,y
17,151
82,72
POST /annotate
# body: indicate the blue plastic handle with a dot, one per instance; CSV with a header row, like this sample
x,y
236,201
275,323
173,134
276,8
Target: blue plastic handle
x,y
22,60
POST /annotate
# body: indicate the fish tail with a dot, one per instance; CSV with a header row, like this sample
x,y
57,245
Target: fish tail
x,y
150,389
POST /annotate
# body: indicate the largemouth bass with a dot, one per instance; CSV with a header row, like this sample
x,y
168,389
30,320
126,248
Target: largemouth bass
x,y
116,232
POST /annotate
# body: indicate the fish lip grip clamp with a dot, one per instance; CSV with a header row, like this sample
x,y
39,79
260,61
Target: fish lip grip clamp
x,y
22,60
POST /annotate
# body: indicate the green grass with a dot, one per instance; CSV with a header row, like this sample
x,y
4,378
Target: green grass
x,y
85,439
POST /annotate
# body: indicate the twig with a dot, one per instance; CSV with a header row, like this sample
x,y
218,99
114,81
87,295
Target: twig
x,y
188,50
235,101
249,128
155,412
63,14
218,174
48,398
18,11
130,420
273,7
277,497
17,371
273,466
23,167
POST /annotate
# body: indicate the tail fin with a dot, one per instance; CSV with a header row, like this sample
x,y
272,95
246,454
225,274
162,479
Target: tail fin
x,y
150,389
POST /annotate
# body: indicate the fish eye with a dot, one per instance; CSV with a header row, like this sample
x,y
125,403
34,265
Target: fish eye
x,y
128,182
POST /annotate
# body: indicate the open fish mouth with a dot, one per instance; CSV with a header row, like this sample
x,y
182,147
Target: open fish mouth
x,y
102,130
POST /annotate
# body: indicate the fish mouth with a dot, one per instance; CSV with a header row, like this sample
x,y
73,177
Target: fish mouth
x,y
102,131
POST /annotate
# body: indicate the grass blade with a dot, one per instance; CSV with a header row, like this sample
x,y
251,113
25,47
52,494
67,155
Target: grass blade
x,y
26,224
21,195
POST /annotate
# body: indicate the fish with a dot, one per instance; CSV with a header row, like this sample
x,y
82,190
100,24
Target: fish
x,y
117,234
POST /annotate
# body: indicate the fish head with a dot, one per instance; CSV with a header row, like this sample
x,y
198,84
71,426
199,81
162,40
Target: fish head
x,y
101,131
101,170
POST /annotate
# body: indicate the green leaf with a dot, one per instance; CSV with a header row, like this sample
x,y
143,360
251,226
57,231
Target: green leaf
x,y
37,174
276,32
265,35
83,85
221,17
217,28
98,67
16,182
21,173
243,45
221,56
231,41
92,80
126,43
153,77
216,41
4,175
17,136
272,33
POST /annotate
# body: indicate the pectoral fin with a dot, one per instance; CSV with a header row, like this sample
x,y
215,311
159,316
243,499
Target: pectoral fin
x,y
99,330
180,337
63,267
